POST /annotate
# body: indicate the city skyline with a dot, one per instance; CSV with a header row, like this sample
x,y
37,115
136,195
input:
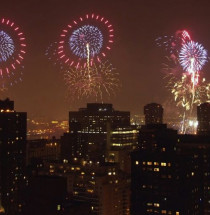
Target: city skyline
x,y
137,24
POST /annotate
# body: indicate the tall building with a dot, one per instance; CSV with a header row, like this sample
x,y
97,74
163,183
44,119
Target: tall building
x,y
198,146
95,117
103,187
89,129
153,113
164,179
203,117
12,156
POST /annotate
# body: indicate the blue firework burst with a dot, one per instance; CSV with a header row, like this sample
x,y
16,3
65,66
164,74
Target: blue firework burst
x,y
7,46
87,34
193,56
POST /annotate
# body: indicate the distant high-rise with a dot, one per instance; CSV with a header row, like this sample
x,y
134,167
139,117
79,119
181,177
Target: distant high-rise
x,y
12,156
94,118
203,117
88,131
153,113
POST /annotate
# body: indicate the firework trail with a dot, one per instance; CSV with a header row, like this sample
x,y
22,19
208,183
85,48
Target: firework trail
x,y
183,73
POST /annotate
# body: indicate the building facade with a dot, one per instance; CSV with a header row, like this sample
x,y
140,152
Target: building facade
x,y
164,179
12,157
90,129
203,117
153,113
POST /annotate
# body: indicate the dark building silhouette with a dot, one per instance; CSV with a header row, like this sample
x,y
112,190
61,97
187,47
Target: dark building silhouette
x,y
12,156
103,187
164,179
43,149
153,113
94,118
46,195
203,117
198,146
88,131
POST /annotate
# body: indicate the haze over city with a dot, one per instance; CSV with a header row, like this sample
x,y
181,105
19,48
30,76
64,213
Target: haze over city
x,y
134,53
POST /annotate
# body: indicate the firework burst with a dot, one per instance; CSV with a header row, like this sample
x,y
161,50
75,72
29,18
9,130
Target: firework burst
x,y
83,44
98,81
184,78
7,47
12,53
92,29
192,57
84,35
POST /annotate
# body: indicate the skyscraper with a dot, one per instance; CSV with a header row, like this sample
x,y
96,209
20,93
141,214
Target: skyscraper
x,y
165,179
12,156
89,129
203,117
153,113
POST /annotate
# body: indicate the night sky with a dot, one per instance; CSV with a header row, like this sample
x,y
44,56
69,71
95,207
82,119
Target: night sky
x,y
134,54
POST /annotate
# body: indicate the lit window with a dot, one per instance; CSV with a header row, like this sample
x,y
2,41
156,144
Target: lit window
x,y
149,163
137,163
163,164
156,170
58,207
177,213
157,205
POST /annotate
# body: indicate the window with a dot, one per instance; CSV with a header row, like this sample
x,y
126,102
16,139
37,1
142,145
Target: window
x,y
163,164
157,205
156,170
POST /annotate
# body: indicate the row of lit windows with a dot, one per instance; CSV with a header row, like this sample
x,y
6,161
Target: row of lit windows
x,y
162,212
7,111
150,163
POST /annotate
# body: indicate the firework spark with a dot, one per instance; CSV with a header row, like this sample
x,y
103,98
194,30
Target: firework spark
x,y
90,29
183,76
6,46
12,52
192,57
96,82
172,43
84,35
